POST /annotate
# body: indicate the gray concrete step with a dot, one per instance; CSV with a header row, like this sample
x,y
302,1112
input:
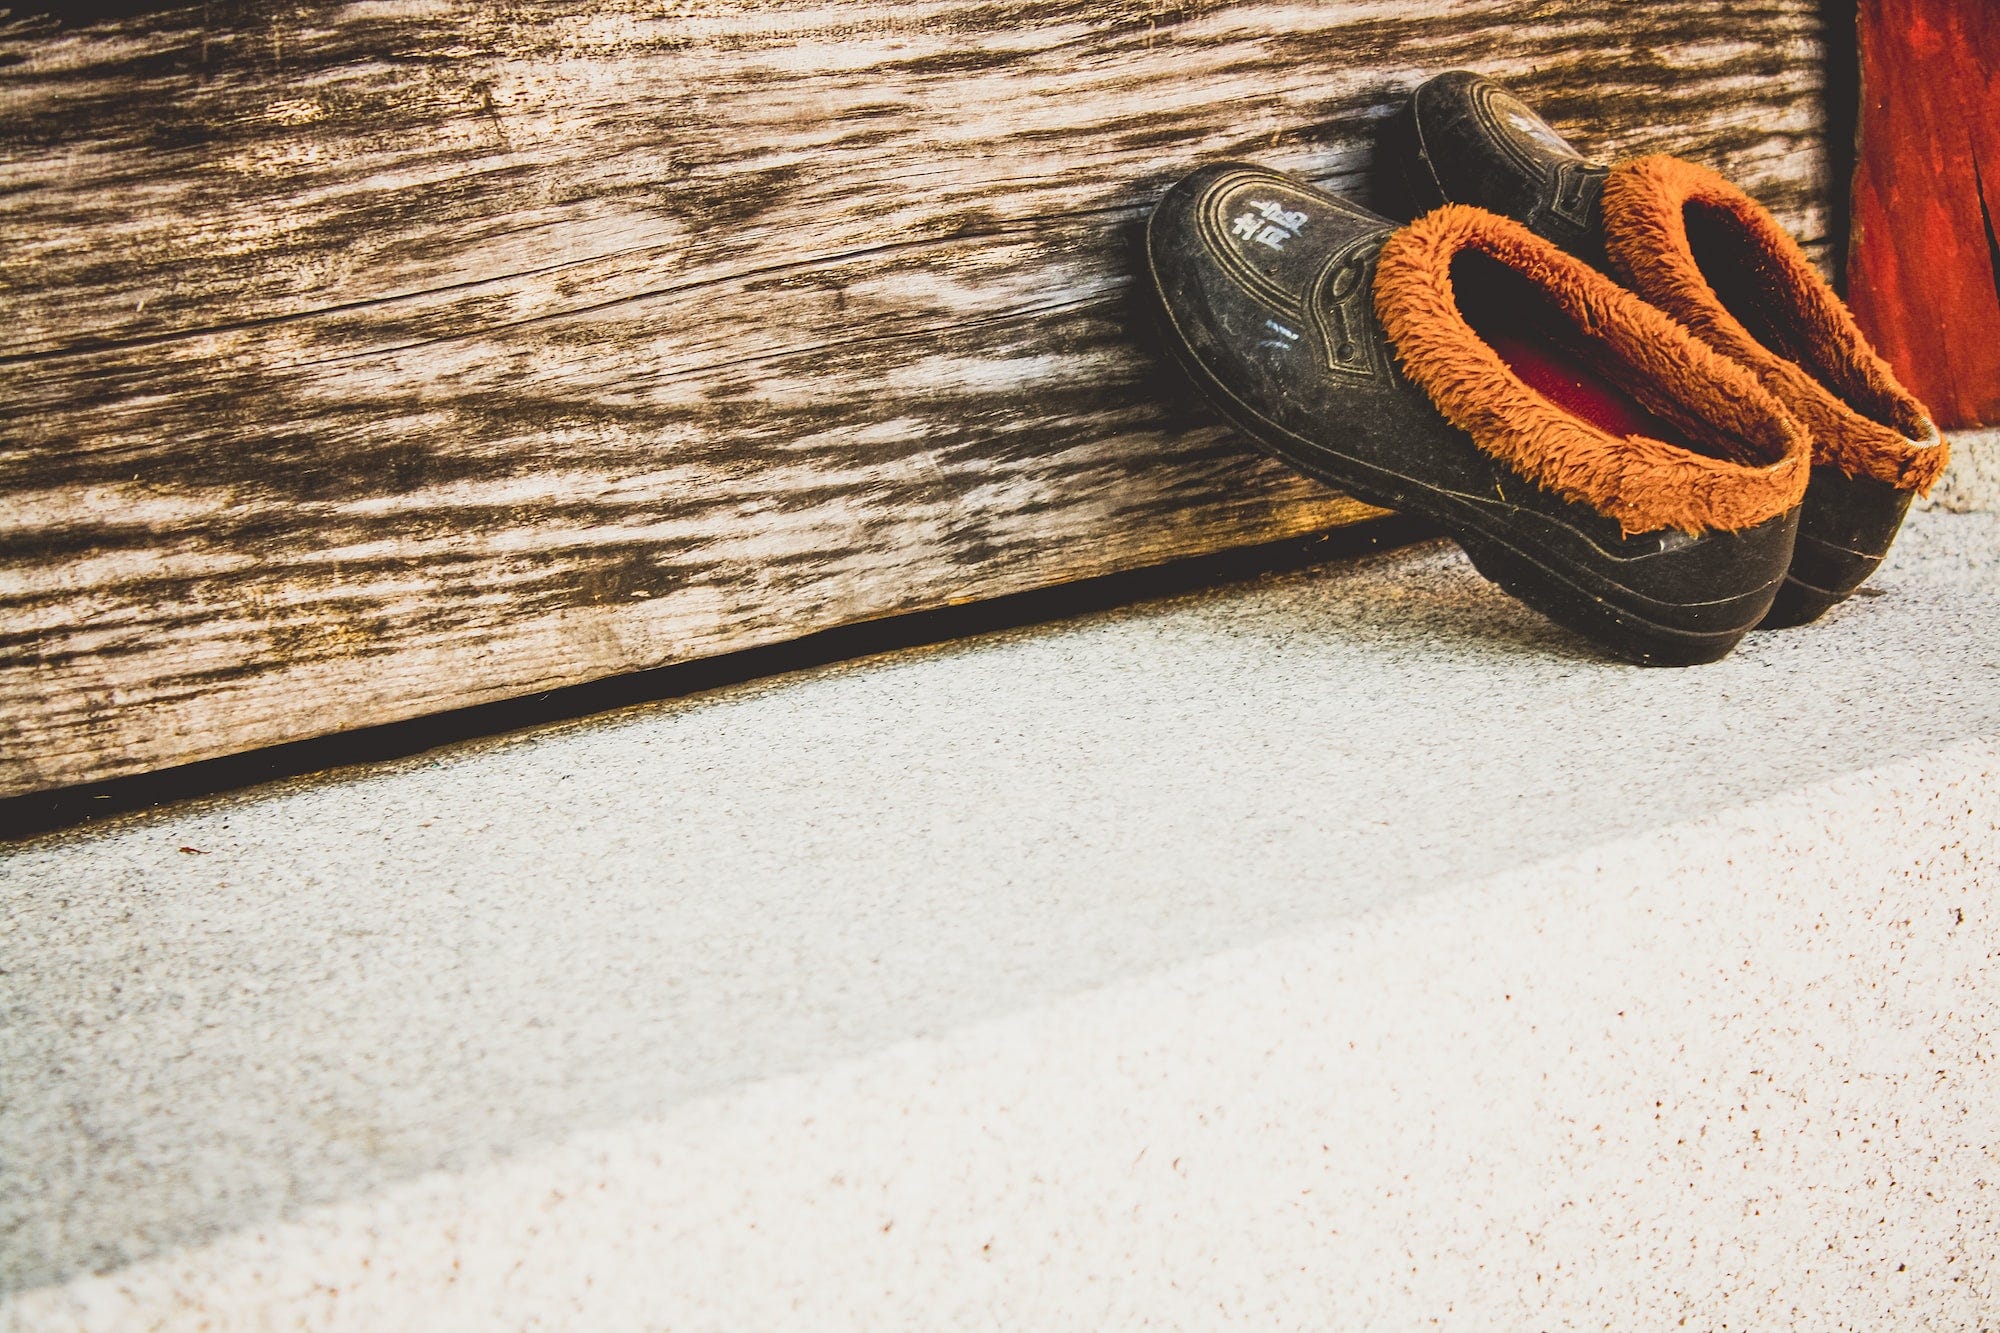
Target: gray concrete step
x,y
1350,947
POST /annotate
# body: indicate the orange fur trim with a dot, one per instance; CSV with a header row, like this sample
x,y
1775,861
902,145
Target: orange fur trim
x,y
1646,484
1811,355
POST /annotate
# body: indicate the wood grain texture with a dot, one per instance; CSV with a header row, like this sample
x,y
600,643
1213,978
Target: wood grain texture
x,y
371,359
1924,260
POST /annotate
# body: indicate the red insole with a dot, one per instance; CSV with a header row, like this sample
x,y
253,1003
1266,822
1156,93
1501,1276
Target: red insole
x,y
1576,388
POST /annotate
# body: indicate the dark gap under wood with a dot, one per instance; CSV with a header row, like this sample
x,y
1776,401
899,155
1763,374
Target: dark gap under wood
x,y
45,812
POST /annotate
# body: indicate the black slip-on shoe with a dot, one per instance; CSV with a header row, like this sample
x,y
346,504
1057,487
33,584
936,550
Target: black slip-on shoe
x,y
1463,139
1705,252
1592,458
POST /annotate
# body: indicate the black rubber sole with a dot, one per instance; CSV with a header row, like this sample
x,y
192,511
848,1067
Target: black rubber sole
x,y
1845,532
1614,628
1604,614
1799,604
1822,577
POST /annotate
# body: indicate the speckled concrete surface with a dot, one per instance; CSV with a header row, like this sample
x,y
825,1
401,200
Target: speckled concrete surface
x,y
1972,482
645,1020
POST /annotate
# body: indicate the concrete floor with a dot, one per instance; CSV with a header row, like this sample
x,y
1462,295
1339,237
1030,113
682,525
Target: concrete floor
x,y
241,1028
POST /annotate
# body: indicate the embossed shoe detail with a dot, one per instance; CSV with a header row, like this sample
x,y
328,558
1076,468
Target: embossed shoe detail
x,y
1590,456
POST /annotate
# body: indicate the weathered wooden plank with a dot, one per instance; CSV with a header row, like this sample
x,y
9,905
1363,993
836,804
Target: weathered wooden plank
x,y
369,150
366,360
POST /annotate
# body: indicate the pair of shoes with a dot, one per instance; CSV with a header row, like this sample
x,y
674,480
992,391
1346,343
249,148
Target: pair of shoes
x,y
1706,253
1630,460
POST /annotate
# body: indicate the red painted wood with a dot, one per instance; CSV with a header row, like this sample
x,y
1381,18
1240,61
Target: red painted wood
x,y
1921,274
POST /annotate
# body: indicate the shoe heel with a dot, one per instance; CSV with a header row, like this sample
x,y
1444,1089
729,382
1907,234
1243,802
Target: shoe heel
x,y
1847,529
1798,604
1619,630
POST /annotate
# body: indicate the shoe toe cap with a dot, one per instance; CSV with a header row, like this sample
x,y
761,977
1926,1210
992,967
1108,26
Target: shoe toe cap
x,y
1484,146
1236,253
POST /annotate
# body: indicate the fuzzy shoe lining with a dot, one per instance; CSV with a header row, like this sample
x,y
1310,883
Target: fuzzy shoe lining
x,y
1715,259
1732,457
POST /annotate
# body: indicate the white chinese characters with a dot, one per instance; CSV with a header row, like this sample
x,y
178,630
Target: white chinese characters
x,y
1267,223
